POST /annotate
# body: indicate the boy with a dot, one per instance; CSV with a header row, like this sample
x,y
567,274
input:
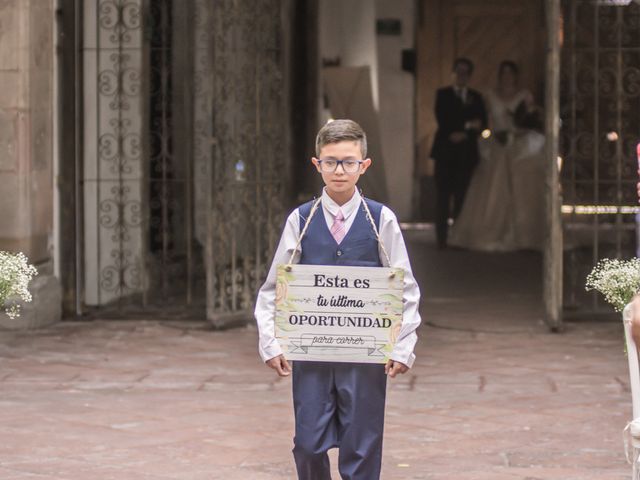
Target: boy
x,y
340,404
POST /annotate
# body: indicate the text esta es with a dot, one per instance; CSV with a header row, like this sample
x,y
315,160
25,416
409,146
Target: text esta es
x,y
320,280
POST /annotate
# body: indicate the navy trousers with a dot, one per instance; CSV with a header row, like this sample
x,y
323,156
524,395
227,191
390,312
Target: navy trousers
x,y
338,405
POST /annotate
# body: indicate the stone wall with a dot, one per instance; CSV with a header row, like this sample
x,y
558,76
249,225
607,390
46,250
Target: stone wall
x,y
26,147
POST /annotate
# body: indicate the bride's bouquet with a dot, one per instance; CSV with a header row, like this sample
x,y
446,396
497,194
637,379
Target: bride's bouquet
x,y
15,275
617,280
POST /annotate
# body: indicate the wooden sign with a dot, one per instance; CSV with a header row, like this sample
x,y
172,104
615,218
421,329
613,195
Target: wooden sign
x,y
338,314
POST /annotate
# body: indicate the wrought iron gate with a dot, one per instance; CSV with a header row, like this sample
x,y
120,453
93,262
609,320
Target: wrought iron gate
x,y
240,146
600,109
183,165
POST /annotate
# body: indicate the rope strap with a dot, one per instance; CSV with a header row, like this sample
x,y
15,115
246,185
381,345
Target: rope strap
x,y
375,230
304,230
308,222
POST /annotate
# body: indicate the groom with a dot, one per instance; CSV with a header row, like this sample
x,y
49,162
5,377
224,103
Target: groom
x,y
461,116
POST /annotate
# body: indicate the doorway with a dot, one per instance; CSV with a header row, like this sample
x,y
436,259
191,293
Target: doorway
x,y
487,33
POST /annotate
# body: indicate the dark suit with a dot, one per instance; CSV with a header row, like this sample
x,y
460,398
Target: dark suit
x,y
455,162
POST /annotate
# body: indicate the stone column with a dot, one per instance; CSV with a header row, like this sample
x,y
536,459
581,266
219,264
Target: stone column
x,y
26,149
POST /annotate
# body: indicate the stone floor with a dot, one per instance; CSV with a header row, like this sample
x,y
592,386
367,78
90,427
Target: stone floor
x,y
492,396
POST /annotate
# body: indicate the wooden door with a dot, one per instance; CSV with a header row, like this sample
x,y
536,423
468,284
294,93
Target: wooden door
x,y
489,33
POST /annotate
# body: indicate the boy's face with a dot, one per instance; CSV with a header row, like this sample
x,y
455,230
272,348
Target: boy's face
x,y
340,184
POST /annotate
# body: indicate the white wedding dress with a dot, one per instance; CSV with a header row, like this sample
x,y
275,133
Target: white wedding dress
x,y
504,205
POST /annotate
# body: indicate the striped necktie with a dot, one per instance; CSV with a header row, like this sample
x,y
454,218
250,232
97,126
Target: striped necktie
x,y
337,229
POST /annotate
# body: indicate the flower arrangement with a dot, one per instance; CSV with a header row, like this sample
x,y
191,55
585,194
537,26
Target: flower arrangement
x,y
15,275
617,280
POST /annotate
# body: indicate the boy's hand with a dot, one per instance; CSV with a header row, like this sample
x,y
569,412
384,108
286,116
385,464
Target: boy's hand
x,y
393,367
280,365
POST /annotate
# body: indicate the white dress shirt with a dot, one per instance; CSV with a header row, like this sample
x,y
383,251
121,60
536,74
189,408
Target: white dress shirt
x,y
461,92
390,235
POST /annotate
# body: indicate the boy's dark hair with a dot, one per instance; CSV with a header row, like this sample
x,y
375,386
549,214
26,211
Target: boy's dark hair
x,y
463,61
339,130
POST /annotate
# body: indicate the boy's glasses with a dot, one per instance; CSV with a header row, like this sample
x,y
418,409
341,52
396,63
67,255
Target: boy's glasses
x,y
329,165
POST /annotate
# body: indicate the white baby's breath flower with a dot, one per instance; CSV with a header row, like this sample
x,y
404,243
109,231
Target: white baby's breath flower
x,y
15,275
617,280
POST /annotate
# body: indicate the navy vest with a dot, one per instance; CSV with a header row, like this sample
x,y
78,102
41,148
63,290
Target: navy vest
x,y
359,248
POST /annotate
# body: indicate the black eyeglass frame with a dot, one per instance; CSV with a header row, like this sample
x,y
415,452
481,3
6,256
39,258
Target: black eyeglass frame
x,y
341,162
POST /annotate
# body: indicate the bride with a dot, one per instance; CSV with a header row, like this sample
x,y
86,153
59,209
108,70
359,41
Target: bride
x,y
504,206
